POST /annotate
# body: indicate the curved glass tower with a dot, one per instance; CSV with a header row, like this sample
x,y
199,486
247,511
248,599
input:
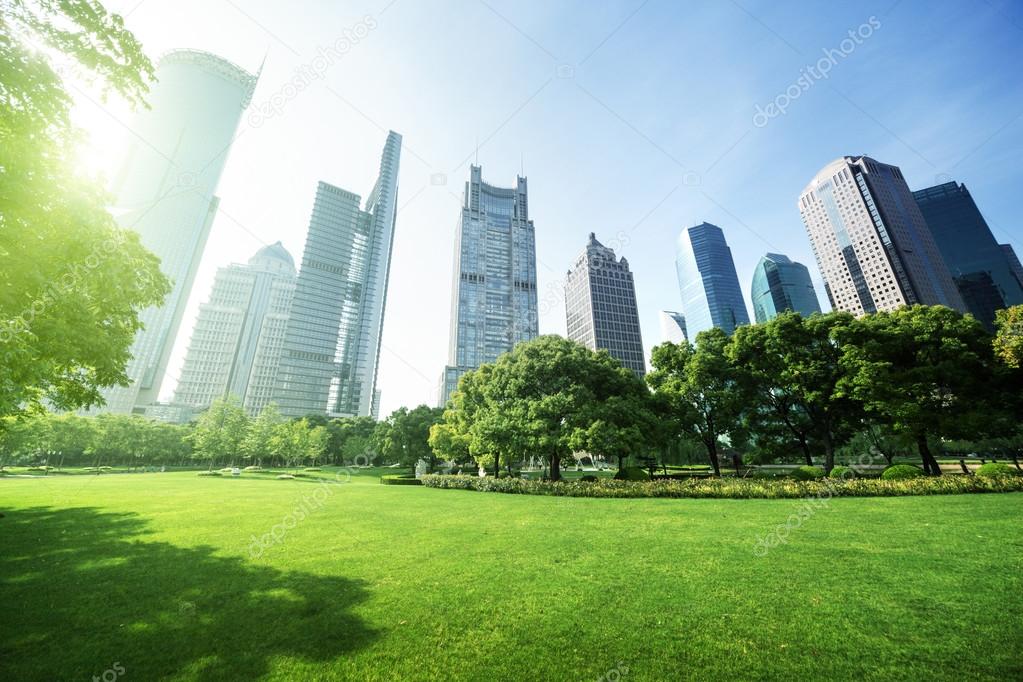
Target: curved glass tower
x,y
332,347
164,190
493,305
711,296
781,284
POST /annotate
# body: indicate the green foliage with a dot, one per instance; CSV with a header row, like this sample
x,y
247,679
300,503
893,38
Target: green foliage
x,y
901,472
632,474
220,431
1009,337
841,472
996,469
404,437
72,282
734,488
400,479
808,473
258,438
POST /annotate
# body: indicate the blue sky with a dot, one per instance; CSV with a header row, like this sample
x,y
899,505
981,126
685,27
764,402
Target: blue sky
x,y
632,120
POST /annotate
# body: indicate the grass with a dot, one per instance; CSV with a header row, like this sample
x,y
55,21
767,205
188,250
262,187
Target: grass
x,y
158,573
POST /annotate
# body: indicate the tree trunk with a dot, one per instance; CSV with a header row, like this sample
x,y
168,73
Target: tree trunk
x,y
497,465
555,468
806,450
930,463
829,452
621,461
712,453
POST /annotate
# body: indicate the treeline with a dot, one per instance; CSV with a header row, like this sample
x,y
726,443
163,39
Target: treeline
x,y
918,379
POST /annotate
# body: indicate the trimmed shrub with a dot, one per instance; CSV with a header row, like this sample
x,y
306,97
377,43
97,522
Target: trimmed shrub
x,y
901,472
588,478
312,469
253,468
227,470
735,488
841,472
210,473
632,474
996,469
284,477
808,473
400,479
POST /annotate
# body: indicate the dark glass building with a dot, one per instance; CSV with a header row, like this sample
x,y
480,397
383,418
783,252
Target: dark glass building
x,y
781,284
710,291
977,262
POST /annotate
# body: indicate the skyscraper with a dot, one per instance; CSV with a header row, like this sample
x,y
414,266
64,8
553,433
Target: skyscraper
x,y
781,284
600,305
673,327
1014,264
871,242
164,190
711,296
236,344
493,303
332,344
978,264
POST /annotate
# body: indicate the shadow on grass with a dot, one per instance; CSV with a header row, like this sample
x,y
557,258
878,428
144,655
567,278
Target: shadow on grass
x,y
81,590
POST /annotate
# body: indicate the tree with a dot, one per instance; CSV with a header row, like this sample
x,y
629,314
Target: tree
x,y
72,283
257,441
220,430
542,398
404,436
1009,337
925,371
700,385
793,366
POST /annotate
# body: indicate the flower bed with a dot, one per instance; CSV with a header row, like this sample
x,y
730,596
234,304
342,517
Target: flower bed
x,y
733,488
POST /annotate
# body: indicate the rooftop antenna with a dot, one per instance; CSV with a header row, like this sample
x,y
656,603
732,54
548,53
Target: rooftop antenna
x,y
476,159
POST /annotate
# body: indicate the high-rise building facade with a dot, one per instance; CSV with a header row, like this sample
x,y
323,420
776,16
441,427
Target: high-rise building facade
x,y
1014,264
711,296
600,305
493,303
977,262
872,244
673,327
164,190
332,344
236,344
781,284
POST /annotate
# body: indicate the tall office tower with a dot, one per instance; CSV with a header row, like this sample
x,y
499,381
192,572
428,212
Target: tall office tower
x,y
600,305
673,327
493,303
164,190
781,284
871,242
977,263
1014,264
332,345
711,296
236,344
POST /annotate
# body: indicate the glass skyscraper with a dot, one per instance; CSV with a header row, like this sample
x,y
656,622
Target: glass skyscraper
x,y
236,344
781,284
1014,264
673,327
332,345
872,244
164,190
600,305
978,264
493,304
711,296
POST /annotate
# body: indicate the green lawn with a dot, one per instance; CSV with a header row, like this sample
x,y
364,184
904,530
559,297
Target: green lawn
x,y
156,573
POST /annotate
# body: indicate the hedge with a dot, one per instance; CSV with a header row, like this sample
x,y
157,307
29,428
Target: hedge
x,y
404,479
734,488
995,469
901,472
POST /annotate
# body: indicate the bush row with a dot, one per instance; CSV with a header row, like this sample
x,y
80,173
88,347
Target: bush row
x,y
408,479
735,488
